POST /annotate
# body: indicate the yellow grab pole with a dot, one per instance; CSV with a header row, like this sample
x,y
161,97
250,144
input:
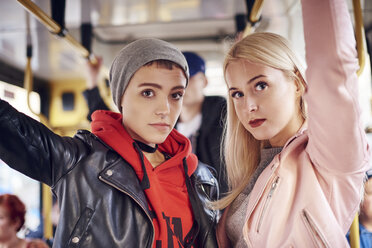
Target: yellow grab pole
x,y
28,85
47,210
28,79
48,22
359,35
248,29
83,51
55,28
256,11
46,195
253,17
360,41
354,233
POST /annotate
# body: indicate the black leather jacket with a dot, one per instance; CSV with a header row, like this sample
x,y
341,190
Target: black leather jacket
x,y
101,200
207,145
208,138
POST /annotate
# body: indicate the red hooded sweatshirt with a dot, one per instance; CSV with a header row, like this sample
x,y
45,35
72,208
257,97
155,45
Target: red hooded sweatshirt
x,y
167,194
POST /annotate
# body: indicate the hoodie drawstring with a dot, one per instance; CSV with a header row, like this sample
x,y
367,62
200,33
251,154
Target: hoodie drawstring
x,y
145,183
191,236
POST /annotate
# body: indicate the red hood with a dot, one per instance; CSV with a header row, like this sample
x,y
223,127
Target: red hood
x,y
108,127
166,191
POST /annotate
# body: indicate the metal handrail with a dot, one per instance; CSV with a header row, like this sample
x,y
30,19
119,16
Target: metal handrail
x,y
360,43
28,78
359,35
354,233
56,29
47,198
256,11
28,85
253,17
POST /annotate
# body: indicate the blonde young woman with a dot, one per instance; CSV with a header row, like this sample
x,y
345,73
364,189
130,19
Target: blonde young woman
x,y
295,175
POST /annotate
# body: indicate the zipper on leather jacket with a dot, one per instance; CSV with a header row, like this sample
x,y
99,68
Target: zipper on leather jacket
x,y
314,230
144,210
268,198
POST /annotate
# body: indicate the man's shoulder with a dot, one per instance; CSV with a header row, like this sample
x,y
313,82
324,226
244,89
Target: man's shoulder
x,y
215,103
215,100
213,110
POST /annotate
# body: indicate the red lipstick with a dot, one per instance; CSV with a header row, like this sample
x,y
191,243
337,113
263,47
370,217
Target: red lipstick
x,y
256,122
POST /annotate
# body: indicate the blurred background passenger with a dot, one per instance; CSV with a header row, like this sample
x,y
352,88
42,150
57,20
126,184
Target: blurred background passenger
x,y
12,219
365,215
201,118
91,94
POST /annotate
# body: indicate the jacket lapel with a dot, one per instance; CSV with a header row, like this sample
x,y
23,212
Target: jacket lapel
x,y
121,176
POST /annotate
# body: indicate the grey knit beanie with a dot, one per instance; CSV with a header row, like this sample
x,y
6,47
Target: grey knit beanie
x,y
136,54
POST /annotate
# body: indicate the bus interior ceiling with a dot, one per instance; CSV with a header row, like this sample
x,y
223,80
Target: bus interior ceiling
x,y
207,27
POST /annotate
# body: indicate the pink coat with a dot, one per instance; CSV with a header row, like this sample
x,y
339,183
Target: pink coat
x,y
310,192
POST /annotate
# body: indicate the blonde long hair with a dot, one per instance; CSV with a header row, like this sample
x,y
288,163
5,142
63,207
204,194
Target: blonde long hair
x,y
241,151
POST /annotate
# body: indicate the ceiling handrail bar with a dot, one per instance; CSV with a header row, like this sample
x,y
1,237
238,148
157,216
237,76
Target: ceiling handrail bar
x,y
254,15
256,11
56,29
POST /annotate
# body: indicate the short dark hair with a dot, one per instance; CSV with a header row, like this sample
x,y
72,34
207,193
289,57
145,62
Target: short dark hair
x,y
163,63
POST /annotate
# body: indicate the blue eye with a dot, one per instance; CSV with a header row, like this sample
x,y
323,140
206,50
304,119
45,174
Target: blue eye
x,y
260,86
237,94
147,93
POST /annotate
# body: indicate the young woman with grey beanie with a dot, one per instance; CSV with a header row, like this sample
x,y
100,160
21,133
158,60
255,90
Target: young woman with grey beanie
x,y
132,181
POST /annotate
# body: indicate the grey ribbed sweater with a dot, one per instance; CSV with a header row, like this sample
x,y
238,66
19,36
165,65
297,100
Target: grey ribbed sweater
x,y
237,211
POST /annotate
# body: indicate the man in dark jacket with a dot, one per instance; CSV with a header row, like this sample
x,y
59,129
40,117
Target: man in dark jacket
x,y
201,119
133,181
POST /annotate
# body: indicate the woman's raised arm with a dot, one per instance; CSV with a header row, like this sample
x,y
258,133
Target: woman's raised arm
x,y
336,137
